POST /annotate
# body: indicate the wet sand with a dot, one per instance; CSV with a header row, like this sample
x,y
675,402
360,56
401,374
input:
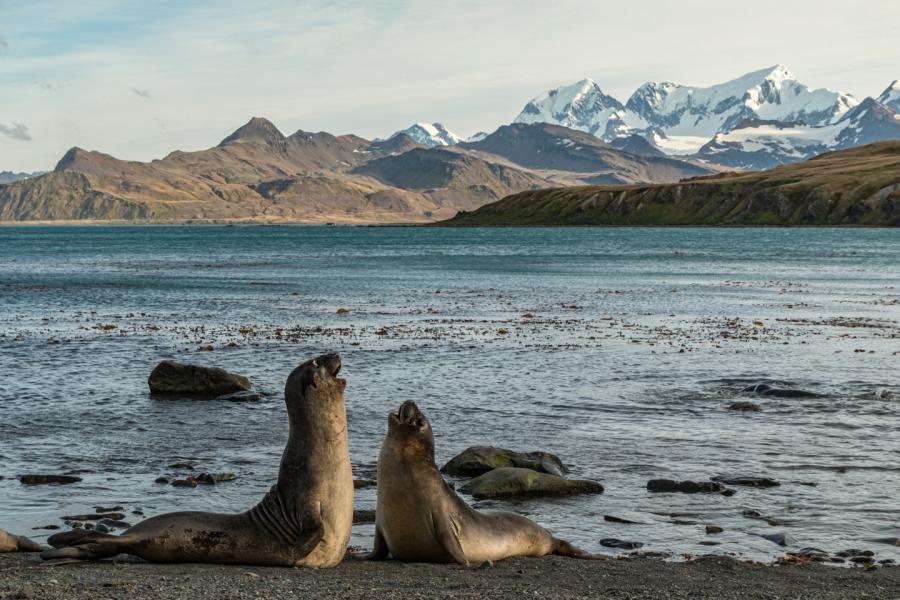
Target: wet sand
x,y
720,578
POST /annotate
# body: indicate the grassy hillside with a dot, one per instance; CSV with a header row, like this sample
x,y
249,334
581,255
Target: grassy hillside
x,y
860,186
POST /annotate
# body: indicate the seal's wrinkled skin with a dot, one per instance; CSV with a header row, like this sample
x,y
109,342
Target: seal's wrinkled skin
x,y
421,519
304,520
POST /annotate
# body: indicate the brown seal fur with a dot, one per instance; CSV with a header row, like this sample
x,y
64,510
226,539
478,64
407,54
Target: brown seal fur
x,y
304,520
421,519
17,543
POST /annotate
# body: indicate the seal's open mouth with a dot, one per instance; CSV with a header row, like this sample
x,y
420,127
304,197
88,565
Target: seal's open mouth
x,y
407,411
332,363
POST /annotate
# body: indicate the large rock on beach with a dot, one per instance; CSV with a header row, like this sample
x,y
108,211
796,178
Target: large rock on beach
x,y
478,460
685,487
514,482
171,378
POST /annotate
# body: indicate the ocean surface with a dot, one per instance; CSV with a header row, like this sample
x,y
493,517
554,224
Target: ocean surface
x,y
620,350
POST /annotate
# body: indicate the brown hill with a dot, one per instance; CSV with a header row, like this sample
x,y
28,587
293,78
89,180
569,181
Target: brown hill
x,y
259,174
860,186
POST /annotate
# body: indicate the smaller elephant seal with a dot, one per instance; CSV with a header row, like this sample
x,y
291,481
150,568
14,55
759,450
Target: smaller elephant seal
x,y
304,520
765,389
419,518
17,543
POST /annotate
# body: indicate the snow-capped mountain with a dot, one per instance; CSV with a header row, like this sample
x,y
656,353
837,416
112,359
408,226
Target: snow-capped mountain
x,y
582,106
761,119
891,96
10,176
430,134
758,144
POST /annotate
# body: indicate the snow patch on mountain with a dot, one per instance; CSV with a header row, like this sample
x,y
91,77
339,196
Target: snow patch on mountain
x,y
430,134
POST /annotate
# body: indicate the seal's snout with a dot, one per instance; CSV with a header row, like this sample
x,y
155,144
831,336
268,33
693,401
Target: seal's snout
x,y
331,362
408,411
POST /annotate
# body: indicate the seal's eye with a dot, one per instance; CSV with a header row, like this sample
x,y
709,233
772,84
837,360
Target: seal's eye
x,y
419,422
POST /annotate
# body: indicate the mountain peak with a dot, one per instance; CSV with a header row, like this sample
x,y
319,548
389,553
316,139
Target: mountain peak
x,y
891,96
256,129
429,134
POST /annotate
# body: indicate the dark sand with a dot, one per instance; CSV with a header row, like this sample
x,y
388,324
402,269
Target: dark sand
x,y
719,578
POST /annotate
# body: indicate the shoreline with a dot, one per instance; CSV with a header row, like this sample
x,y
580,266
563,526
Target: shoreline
x,y
711,577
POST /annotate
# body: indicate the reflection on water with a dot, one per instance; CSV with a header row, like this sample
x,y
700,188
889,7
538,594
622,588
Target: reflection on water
x,y
618,349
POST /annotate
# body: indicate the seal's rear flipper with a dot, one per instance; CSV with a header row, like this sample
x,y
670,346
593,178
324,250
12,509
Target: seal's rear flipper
x,y
564,548
75,546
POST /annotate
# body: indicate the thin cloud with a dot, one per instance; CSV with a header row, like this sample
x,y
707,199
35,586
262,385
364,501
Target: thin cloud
x,y
16,132
142,93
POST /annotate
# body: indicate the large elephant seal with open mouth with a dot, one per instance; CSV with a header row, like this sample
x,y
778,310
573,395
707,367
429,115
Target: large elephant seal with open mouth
x,y
304,520
421,519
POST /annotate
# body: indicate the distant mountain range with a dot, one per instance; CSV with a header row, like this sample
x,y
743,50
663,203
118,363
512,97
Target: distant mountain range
x,y
573,135
9,176
860,186
259,174
757,121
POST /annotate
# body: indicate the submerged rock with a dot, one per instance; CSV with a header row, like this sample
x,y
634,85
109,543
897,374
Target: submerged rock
x,y
363,483
754,514
763,482
782,538
765,389
612,519
621,544
113,516
513,482
478,460
713,529
48,479
243,396
744,406
685,487
363,516
171,378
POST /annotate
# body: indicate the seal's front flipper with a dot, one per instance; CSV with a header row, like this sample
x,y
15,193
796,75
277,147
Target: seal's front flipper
x,y
313,533
447,535
83,545
379,547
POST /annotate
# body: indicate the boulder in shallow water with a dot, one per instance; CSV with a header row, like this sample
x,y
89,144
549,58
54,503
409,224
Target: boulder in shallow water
x,y
744,407
17,543
514,482
685,487
33,479
767,390
477,460
363,516
171,378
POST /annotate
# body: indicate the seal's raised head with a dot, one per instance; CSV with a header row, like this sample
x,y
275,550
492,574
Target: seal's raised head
x,y
410,431
317,374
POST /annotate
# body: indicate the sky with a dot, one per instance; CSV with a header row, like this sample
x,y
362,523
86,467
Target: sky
x,y
140,79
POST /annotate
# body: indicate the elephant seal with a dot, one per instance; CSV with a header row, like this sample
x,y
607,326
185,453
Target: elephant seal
x,y
17,543
304,520
419,518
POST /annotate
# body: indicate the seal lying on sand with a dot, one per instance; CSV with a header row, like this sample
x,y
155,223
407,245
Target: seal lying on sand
x,y
17,543
421,519
304,520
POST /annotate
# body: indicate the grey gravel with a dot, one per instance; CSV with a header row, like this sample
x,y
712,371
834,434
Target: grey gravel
x,y
719,577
